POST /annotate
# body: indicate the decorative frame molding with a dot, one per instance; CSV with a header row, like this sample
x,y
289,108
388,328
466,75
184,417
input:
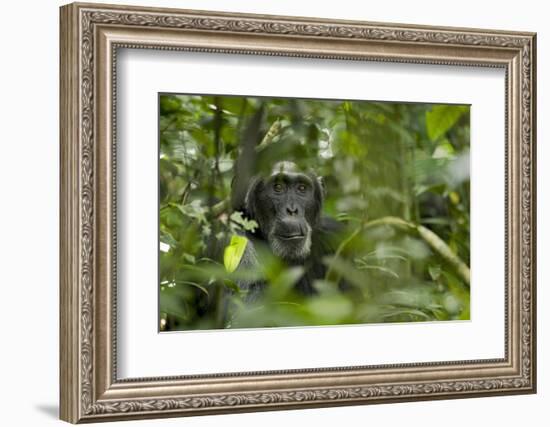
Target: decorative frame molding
x,y
90,36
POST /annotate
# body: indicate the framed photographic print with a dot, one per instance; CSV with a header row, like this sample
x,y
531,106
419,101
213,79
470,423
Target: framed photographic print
x,y
265,212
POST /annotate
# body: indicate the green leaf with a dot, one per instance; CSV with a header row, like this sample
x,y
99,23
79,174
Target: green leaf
x,y
169,104
167,238
362,265
413,313
246,224
441,118
193,210
330,309
234,252
170,303
435,271
285,280
189,258
444,150
196,285
346,270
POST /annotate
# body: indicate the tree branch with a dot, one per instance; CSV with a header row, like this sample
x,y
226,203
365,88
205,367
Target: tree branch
x,y
433,241
270,135
224,205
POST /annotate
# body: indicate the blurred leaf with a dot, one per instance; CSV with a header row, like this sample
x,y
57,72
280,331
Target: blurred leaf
x,y
346,270
172,305
166,237
234,252
282,283
363,265
399,312
169,104
444,150
245,223
377,159
326,287
435,271
441,118
189,258
330,309
193,284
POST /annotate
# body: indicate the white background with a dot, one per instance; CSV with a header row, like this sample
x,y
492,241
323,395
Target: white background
x,y
141,347
29,169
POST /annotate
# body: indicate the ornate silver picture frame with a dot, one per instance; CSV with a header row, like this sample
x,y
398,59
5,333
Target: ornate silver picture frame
x,y
91,36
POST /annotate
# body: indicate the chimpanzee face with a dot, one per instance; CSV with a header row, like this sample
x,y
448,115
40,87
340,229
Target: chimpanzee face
x,y
287,207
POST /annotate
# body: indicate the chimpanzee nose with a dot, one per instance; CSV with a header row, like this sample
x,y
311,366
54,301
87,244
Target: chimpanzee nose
x,y
292,210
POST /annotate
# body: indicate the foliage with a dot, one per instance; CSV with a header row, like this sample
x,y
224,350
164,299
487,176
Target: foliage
x,y
396,175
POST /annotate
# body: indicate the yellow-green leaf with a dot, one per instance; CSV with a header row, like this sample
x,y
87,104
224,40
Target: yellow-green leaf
x,y
234,252
441,118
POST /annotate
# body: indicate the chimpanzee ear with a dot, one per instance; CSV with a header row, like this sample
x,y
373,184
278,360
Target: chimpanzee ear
x,y
251,198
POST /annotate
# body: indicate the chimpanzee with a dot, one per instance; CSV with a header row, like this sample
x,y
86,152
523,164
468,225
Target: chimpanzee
x,y
287,205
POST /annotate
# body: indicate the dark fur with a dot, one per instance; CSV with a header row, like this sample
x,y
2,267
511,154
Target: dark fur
x,y
289,212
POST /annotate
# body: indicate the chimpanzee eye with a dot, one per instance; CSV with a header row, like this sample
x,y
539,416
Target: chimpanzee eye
x,y
278,187
302,187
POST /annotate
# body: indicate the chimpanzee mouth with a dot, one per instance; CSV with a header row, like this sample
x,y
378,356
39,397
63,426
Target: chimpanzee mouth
x,y
297,236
